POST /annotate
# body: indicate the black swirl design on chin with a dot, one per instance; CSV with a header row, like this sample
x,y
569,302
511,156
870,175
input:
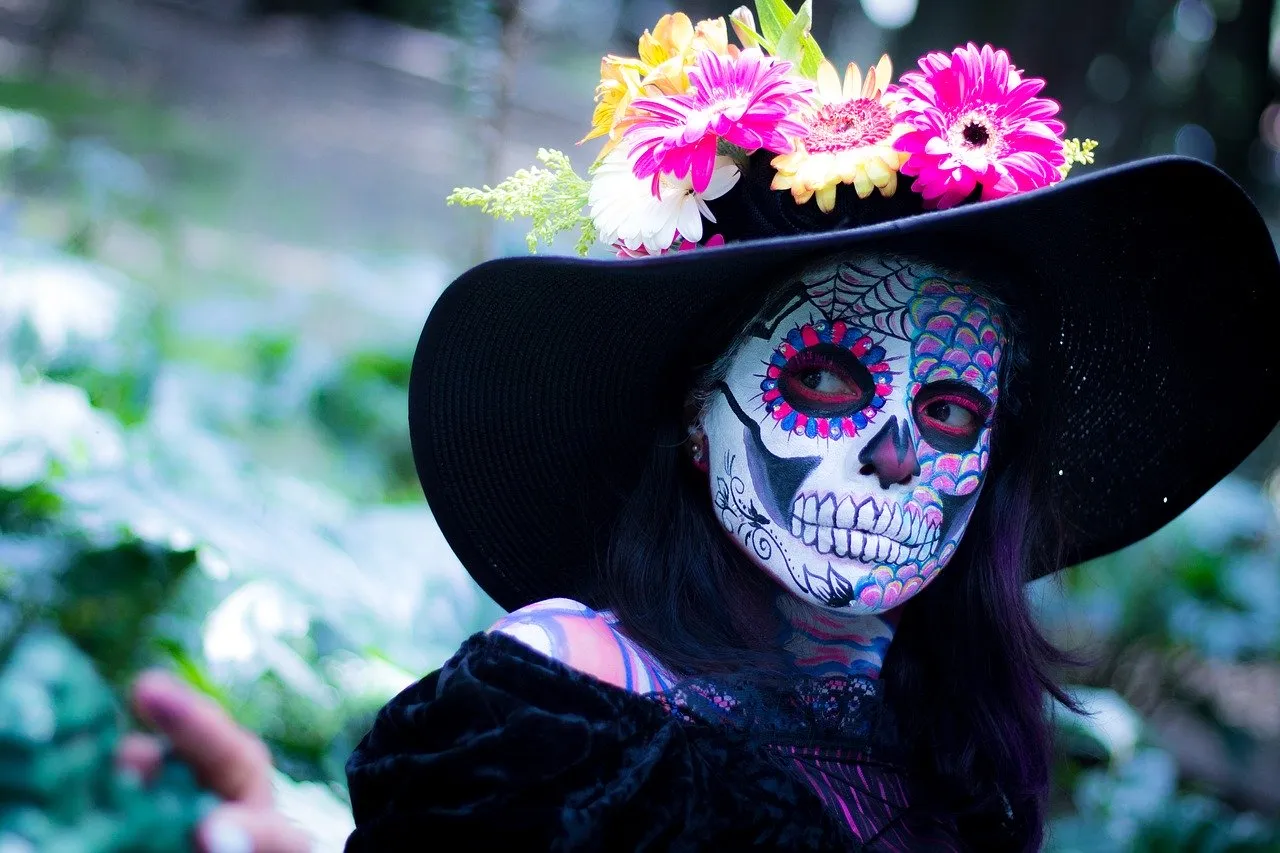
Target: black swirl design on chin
x,y
745,520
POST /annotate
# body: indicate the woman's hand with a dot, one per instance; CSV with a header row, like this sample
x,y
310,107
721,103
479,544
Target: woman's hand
x,y
226,759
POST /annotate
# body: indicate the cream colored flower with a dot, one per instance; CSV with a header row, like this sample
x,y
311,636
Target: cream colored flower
x,y
850,139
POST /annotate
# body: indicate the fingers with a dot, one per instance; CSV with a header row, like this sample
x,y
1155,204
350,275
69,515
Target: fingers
x,y
225,758
140,753
243,829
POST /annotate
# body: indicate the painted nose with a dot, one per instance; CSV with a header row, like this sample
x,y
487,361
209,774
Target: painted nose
x,y
891,454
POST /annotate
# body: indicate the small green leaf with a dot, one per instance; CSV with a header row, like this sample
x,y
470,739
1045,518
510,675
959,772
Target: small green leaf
x,y
190,669
774,16
789,43
744,26
789,32
811,57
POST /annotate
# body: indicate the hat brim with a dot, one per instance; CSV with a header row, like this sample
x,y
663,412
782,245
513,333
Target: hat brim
x,y
1151,291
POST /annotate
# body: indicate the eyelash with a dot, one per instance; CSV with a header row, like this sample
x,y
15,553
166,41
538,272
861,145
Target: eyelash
x,y
810,360
955,400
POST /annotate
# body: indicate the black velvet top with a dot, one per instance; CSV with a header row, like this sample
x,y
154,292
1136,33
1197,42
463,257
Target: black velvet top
x,y
504,747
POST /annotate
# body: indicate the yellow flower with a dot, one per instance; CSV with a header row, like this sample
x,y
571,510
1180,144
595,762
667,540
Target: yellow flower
x,y
665,57
672,36
669,51
850,141
713,35
619,86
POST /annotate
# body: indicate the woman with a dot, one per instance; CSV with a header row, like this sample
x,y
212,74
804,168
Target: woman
x,y
762,514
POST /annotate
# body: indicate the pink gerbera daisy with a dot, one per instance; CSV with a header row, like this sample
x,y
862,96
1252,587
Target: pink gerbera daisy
x,y
976,122
746,100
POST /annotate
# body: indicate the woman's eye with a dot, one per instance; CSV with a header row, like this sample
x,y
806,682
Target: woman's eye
x,y
950,416
825,381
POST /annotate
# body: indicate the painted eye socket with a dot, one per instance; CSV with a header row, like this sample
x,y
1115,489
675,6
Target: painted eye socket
x,y
825,381
835,375
950,415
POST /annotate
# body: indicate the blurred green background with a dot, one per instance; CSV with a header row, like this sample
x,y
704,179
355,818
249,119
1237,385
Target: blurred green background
x,y
222,224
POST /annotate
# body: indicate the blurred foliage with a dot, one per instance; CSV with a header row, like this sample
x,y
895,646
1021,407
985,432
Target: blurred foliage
x,y
62,788
1181,634
135,515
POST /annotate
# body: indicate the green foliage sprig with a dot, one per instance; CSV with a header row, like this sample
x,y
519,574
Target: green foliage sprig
x,y
555,198
1077,151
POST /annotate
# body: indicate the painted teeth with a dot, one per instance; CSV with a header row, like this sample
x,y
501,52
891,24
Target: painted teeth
x,y
840,542
866,515
846,514
882,521
827,512
862,531
901,524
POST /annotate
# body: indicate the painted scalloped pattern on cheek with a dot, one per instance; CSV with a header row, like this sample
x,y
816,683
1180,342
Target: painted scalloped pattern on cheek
x,y
891,593
958,339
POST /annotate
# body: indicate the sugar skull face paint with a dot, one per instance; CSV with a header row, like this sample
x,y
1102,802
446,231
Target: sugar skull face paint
x,y
851,432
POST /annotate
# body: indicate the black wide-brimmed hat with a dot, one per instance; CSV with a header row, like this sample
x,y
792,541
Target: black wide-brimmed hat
x,y
1149,292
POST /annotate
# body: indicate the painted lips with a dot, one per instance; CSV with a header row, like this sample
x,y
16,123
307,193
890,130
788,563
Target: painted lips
x,y
862,530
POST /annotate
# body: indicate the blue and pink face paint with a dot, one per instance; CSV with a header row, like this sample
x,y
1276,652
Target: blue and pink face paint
x,y
852,431
957,339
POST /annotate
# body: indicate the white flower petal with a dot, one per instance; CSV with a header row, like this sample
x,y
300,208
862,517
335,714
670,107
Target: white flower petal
x,y
623,206
724,177
690,223
706,211
662,237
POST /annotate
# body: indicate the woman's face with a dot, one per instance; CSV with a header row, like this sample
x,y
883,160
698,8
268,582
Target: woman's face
x,y
850,437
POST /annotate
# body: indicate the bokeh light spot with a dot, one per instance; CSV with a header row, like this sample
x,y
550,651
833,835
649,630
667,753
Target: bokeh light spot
x,y
889,14
1192,140
1108,77
1194,21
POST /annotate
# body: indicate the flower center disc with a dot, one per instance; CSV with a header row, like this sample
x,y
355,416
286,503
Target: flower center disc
x,y
849,124
975,132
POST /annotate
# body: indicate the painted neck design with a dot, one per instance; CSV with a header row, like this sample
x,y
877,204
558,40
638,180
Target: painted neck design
x,y
821,643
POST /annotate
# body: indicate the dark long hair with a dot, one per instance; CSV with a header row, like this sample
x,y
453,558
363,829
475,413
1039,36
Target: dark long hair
x,y
967,673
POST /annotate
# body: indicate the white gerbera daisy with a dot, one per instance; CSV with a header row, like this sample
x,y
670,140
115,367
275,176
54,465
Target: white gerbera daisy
x,y
627,213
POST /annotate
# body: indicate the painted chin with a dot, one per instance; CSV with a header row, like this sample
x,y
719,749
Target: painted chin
x,y
861,555
856,587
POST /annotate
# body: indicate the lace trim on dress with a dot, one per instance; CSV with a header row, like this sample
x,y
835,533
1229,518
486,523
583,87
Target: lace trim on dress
x,y
841,712
835,735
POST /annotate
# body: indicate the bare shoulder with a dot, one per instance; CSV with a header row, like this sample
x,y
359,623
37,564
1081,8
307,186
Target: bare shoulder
x,y
587,640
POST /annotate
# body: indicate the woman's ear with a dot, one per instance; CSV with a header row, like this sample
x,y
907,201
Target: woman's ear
x,y
696,444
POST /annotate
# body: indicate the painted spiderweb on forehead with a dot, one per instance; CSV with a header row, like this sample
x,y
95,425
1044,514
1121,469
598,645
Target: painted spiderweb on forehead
x,y
872,293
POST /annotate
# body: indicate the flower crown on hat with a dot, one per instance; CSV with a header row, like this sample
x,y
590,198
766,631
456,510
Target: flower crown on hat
x,y
682,118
